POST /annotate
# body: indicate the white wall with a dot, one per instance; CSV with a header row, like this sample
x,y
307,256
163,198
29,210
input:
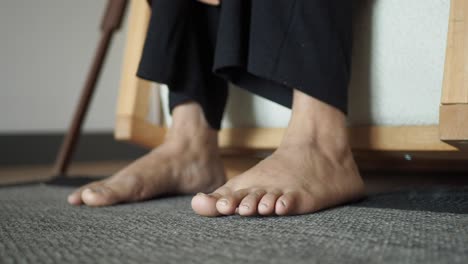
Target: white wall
x,y
399,56
45,51
47,45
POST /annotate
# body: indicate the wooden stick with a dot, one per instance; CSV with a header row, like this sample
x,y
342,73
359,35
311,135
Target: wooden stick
x,y
111,22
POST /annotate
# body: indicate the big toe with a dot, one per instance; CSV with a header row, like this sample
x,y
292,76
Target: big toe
x,y
75,198
100,195
205,205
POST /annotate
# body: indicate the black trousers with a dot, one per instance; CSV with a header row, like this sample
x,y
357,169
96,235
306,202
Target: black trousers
x,y
268,47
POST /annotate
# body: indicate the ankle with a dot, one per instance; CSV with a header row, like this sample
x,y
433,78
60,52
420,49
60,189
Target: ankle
x,y
190,128
188,138
316,123
189,116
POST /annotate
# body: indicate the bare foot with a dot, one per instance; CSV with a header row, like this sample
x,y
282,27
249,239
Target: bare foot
x,y
187,162
210,2
313,169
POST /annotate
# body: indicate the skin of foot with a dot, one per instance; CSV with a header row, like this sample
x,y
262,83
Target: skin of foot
x,y
186,163
210,2
312,169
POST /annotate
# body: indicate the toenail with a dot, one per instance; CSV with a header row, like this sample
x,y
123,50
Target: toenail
x,y
200,194
223,202
283,203
89,190
264,205
245,206
97,190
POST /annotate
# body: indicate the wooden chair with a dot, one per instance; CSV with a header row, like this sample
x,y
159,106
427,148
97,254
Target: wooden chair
x,y
442,146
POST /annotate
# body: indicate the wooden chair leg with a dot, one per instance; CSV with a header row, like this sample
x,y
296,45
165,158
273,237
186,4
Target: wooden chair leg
x,y
111,22
133,108
453,111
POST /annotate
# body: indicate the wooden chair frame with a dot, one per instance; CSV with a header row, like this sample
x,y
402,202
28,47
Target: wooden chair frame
x,y
443,142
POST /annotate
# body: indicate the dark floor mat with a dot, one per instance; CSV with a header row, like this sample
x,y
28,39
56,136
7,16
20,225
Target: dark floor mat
x,y
38,226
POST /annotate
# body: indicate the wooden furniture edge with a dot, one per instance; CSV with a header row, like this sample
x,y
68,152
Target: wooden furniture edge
x,y
375,138
139,131
134,93
453,112
454,125
455,84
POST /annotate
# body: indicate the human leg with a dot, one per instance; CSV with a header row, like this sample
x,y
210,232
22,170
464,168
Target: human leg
x,y
188,161
313,168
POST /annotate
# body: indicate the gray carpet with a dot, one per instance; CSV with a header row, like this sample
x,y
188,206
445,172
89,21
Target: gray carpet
x,y
37,226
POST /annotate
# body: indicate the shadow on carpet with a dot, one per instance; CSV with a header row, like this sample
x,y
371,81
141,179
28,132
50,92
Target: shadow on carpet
x,y
413,226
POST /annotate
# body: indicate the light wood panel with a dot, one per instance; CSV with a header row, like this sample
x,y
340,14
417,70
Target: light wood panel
x,y
377,138
453,114
454,125
455,86
134,92
397,138
138,131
